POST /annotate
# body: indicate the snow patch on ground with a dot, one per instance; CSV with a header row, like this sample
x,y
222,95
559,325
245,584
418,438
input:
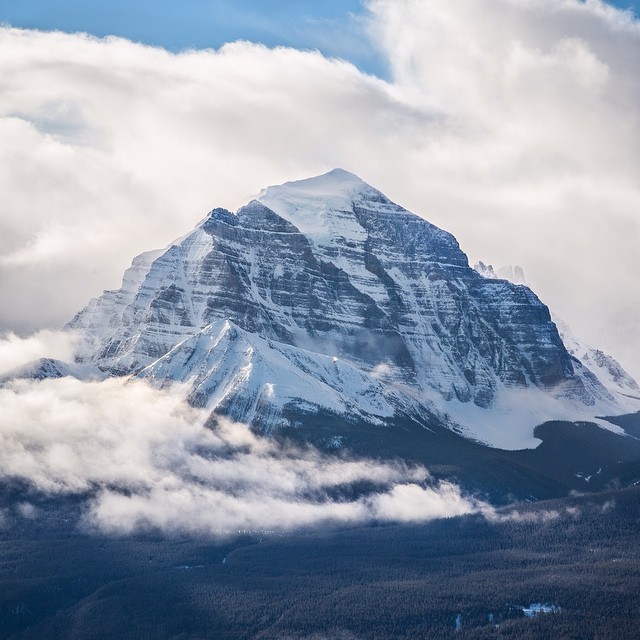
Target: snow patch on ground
x,y
510,421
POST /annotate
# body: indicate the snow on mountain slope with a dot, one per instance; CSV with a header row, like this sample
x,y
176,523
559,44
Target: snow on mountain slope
x,y
605,368
324,278
335,210
111,308
608,370
418,276
253,380
320,207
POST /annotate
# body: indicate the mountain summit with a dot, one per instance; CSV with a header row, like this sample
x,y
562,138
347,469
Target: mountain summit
x,y
323,295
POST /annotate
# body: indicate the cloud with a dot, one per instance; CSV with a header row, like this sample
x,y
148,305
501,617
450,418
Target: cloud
x,y
410,503
143,459
511,123
16,351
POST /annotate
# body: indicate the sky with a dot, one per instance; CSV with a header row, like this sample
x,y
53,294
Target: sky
x,y
331,26
334,27
513,124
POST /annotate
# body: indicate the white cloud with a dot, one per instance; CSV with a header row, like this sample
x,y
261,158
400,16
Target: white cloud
x,y
410,503
148,460
16,351
511,123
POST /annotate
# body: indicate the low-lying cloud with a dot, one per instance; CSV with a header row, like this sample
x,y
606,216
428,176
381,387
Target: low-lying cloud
x,y
16,351
143,459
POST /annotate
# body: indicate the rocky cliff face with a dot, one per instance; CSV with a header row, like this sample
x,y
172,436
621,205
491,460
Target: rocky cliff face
x,y
329,268
608,371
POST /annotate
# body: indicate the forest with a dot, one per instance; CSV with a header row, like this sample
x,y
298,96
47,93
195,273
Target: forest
x,y
458,578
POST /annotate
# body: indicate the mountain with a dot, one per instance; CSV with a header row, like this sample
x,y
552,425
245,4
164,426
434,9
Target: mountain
x,y
607,369
324,295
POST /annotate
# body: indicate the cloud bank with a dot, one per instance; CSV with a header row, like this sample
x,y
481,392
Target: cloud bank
x,y
143,459
511,123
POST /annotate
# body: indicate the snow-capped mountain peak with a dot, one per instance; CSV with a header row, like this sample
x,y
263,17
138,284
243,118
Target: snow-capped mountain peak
x,y
320,207
337,183
323,294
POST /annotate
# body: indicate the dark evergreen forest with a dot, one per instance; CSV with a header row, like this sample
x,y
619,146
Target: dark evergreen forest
x,y
579,554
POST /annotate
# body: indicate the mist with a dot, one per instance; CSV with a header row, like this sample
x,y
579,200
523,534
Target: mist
x,y
16,351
